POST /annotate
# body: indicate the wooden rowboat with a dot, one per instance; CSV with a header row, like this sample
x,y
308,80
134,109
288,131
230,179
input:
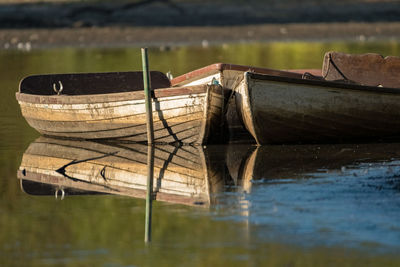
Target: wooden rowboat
x,y
278,109
111,106
183,175
229,76
356,99
286,109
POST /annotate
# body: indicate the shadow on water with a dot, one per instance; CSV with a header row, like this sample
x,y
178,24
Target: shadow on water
x,y
333,195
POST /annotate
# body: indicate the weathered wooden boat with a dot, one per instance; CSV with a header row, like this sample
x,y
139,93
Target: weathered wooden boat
x,y
111,106
278,109
183,175
354,98
283,109
229,76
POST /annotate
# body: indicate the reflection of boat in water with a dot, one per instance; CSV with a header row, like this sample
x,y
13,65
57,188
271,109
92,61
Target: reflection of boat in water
x,y
312,161
188,175
181,174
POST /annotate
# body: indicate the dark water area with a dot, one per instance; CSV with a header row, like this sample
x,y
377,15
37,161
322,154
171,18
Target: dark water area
x,y
227,205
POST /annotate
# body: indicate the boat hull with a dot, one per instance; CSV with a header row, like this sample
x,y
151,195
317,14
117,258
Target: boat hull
x,y
285,110
230,76
190,115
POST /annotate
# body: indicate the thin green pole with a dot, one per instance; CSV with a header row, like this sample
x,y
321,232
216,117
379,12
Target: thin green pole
x,y
150,147
149,192
147,96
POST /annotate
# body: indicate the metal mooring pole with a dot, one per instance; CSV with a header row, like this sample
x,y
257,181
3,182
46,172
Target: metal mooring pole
x,y
150,147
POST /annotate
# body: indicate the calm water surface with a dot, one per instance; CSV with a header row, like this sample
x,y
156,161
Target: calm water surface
x,y
324,205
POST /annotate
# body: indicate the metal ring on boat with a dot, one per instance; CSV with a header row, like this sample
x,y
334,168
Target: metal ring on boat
x,y
58,91
62,193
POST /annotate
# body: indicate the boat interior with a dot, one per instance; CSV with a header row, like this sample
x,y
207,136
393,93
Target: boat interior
x,y
366,69
90,83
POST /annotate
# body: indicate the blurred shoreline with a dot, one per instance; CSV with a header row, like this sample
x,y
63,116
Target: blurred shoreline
x,y
169,37
169,23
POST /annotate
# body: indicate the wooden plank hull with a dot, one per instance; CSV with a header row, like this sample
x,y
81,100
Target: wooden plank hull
x,y
190,115
181,174
285,110
230,76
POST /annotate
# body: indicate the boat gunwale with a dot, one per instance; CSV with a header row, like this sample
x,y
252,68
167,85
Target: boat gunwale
x,y
219,67
110,97
323,83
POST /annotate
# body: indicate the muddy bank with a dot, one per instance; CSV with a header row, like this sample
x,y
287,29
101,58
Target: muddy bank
x,y
166,37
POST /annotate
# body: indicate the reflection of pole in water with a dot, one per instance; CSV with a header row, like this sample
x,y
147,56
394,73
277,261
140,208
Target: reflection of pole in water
x,y
149,192
150,140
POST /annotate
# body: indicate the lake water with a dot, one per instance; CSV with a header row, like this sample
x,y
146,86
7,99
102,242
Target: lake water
x,y
298,205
